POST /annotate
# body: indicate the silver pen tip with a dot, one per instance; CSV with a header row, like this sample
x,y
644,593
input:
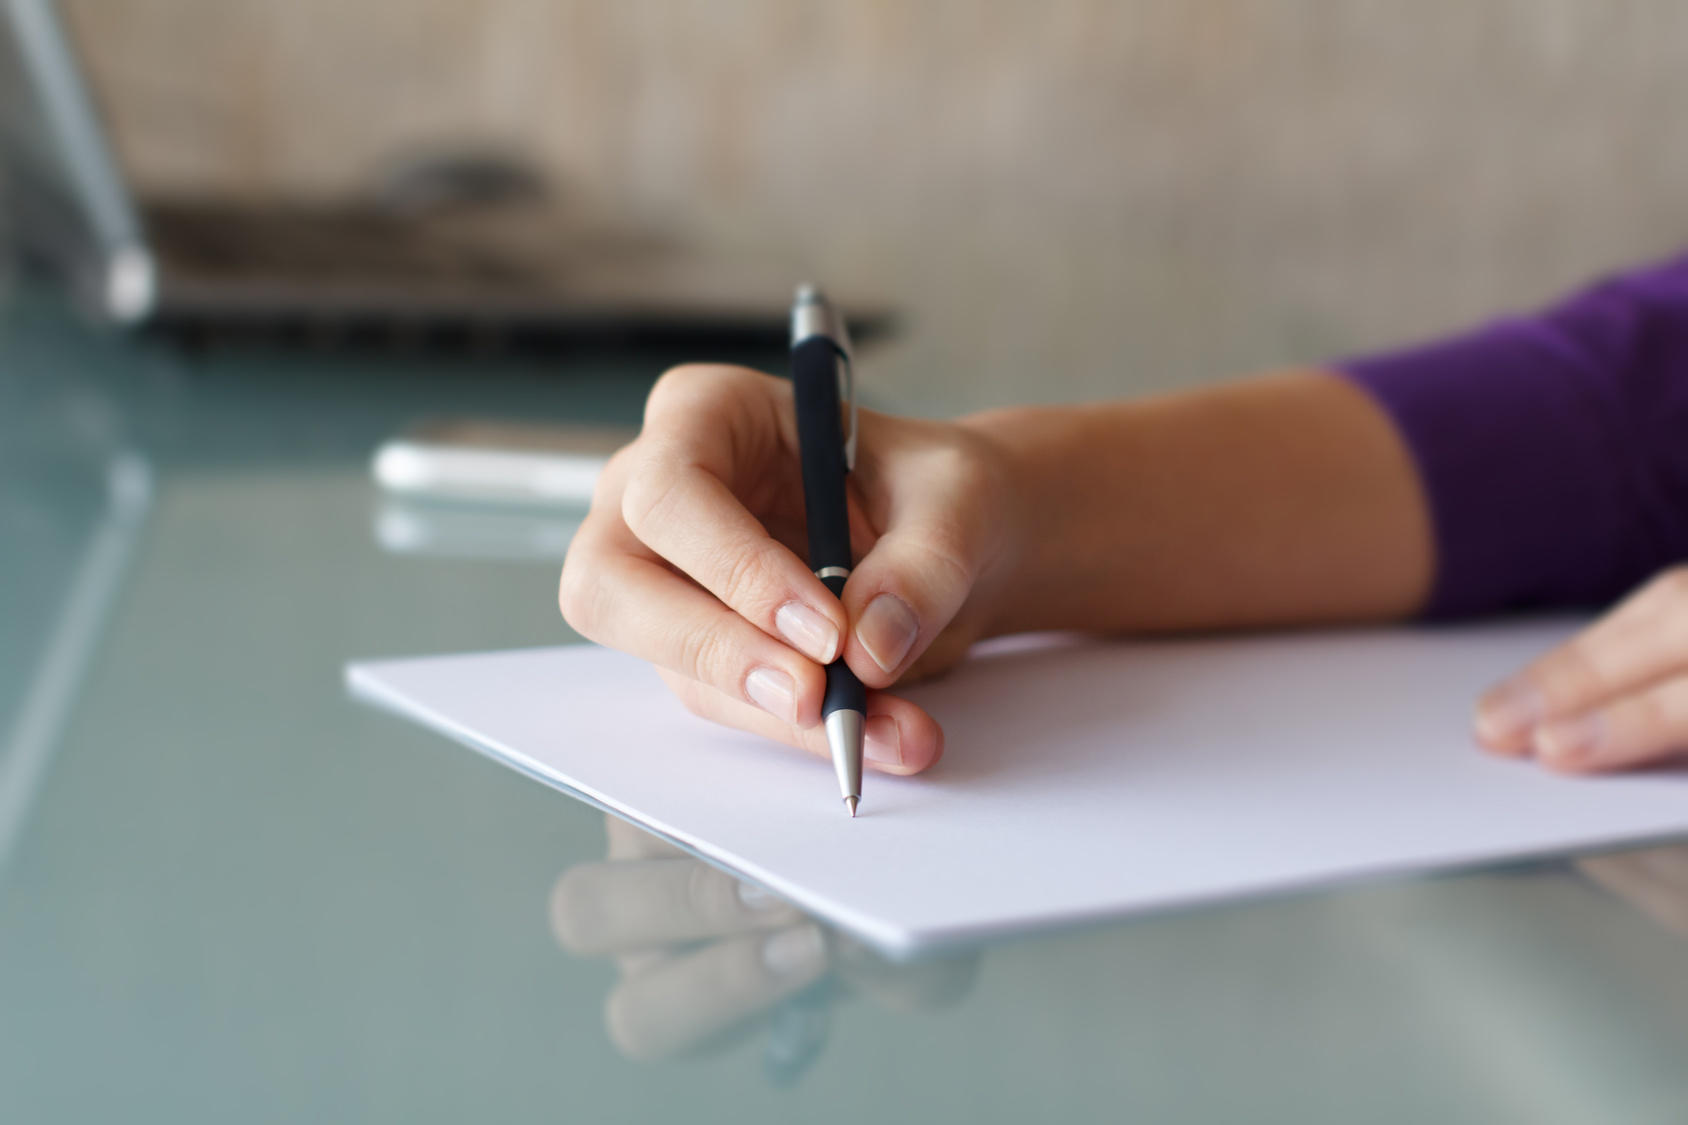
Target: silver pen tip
x,y
850,803
807,294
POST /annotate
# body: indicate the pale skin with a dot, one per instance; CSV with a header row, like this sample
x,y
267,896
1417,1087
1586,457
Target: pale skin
x,y
1283,500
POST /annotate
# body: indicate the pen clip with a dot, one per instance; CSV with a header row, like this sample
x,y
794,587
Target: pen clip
x,y
847,395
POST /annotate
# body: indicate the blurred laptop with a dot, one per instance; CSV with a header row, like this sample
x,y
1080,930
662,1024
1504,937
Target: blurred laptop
x,y
461,248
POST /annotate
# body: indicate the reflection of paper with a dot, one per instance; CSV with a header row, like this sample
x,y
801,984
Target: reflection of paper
x,y
1080,782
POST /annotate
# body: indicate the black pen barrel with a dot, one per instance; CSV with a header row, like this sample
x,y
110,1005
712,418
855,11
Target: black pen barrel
x,y
820,428
844,692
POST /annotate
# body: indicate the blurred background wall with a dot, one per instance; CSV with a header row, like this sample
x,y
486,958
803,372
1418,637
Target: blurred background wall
x,y
1068,198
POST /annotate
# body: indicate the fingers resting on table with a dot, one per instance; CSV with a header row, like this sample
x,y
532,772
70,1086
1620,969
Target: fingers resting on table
x,y
1614,696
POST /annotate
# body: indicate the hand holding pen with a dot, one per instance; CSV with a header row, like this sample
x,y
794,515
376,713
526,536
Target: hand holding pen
x,y
694,557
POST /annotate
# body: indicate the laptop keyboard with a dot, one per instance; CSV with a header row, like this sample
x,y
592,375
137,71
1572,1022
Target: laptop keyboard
x,y
321,245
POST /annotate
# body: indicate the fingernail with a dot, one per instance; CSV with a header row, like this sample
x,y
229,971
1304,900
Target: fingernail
x,y
774,692
756,900
887,630
1509,711
798,951
809,632
882,741
1571,742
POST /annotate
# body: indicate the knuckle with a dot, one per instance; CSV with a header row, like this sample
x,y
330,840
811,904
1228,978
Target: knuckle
x,y
673,384
947,551
1645,719
745,573
616,472
568,596
649,496
1569,672
704,655
683,388
1671,702
578,596
964,468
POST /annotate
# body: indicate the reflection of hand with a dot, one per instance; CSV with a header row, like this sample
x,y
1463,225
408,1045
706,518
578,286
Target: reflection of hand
x,y
702,954
1653,880
692,557
1614,696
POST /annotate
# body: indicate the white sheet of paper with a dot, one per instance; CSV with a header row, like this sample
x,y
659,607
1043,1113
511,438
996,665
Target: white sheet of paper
x,y
1080,781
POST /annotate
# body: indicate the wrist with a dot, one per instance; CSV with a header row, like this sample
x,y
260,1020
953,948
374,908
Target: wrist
x,y
1035,455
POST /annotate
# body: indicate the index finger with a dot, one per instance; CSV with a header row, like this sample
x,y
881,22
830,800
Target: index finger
x,y
706,427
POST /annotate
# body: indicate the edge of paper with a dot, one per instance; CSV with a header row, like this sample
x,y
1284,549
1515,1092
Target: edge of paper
x,y
896,942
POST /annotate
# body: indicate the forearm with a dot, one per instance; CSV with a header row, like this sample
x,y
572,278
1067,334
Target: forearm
x,y
1283,500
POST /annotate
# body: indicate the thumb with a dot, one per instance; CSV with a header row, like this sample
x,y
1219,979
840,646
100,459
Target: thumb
x,y
910,585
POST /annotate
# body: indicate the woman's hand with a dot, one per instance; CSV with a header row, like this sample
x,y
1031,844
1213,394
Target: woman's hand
x,y
1613,697
692,558
1281,500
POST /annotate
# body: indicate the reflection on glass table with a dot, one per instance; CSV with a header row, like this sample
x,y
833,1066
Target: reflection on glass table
x,y
707,960
27,742
1653,880
74,500
465,531
488,488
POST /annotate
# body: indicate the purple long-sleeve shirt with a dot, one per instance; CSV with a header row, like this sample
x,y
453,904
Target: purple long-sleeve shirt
x,y
1553,448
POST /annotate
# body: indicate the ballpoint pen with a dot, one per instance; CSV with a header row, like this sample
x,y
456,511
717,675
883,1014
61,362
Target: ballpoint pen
x,y
824,385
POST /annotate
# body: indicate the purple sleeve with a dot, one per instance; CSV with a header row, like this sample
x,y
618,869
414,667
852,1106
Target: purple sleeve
x,y
1553,449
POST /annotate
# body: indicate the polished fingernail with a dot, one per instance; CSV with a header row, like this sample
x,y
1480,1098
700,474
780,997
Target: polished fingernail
x,y
887,630
1571,742
808,630
758,900
774,692
798,951
1509,711
882,742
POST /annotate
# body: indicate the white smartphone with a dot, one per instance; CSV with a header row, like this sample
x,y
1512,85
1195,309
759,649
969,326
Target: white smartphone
x,y
498,462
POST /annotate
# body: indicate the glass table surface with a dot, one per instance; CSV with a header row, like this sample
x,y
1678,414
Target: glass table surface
x,y
227,892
